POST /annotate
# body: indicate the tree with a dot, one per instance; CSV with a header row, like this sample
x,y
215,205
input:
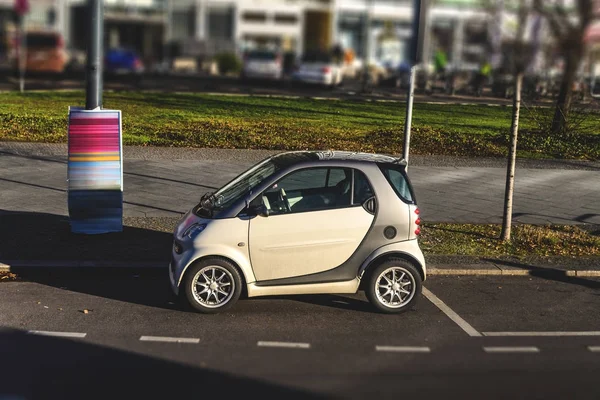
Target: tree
x,y
568,30
522,58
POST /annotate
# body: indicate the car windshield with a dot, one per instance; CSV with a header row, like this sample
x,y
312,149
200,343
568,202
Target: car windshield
x,y
238,188
262,55
45,41
317,57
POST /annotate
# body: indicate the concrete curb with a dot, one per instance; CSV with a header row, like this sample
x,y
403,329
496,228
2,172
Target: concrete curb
x,y
434,270
11,266
510,271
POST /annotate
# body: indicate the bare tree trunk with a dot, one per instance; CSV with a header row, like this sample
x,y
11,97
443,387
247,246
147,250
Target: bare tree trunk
x,y
565,94
512,160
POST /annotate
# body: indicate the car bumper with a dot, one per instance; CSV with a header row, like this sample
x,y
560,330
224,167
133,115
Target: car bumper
x,y
174,286
179,261
262,74
314,79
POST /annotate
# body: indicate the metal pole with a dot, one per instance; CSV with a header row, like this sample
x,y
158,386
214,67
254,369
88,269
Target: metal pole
x,y
22,52
409,109
367,46
95,55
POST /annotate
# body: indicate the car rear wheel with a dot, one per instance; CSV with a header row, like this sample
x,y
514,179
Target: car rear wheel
x,y
212,285
394,286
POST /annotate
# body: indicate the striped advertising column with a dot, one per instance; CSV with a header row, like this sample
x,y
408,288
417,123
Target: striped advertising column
x,y
95,171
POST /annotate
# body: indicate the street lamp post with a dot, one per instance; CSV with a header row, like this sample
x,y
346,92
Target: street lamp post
x,y
417,56
367,45
94,55
95,146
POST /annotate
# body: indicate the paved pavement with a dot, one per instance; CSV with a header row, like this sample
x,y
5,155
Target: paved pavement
x,y
473,337
167,182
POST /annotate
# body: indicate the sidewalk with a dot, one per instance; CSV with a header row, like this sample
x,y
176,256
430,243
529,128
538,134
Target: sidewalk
x,y
163,183
166,182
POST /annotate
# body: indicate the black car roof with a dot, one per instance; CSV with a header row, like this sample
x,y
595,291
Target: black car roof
x,y
288,159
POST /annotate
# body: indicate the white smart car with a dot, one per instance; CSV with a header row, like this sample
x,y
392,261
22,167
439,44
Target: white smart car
x,y
303,223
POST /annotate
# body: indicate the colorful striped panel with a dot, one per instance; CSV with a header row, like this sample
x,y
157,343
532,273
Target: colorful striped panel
x,y
95,150
95,171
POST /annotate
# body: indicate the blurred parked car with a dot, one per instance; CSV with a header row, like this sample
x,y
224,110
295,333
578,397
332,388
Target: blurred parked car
x,y
320,68
393,75
123,62
46,52
262,64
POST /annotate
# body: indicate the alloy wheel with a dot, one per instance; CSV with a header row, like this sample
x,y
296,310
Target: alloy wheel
x,y
395,287
213,286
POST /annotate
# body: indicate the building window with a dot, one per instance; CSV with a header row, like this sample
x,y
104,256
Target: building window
x,y
252,16
220,23
286,19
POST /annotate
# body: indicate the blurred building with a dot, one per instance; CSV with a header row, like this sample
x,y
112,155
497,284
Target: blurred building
x,y
467,31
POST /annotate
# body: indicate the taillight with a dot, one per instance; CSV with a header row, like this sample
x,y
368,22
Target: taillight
x,y
418,222
137,64
60,42
326,70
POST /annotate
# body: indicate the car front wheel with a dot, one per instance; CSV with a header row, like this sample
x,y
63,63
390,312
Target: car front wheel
x,y
394,286
212,285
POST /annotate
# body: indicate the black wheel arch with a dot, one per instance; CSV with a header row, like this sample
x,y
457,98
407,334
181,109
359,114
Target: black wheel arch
x,y
365,273
244,293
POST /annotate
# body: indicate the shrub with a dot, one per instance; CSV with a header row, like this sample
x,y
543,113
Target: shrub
x,y
228,62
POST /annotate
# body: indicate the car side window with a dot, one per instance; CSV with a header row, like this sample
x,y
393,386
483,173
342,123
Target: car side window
x,y
310,189
398,182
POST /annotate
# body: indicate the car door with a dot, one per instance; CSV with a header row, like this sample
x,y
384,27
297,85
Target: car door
x,y
313,224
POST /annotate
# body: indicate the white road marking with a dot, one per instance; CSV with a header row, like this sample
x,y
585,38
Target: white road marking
x,y
594,349
290,345
582,333
509,349
58,334
168,339
450,313
403,349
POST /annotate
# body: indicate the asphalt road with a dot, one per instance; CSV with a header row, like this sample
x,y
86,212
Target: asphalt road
x,y
135,340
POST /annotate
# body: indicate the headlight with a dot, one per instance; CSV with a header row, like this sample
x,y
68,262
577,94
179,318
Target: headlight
x,y
193,230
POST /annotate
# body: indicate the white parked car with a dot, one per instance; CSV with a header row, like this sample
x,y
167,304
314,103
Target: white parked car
x,y
303,223
262,64
320,68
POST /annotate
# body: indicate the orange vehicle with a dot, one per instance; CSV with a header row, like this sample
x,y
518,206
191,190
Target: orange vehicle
x,y
45,52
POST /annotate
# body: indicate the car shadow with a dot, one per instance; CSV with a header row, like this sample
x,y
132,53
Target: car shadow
x,y
353,303
43,367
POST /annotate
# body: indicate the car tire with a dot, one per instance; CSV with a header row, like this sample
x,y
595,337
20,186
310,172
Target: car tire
x,y
206,285
395,274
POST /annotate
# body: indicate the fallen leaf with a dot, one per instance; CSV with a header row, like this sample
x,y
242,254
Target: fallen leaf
x,y
45,306
39,302
60,309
